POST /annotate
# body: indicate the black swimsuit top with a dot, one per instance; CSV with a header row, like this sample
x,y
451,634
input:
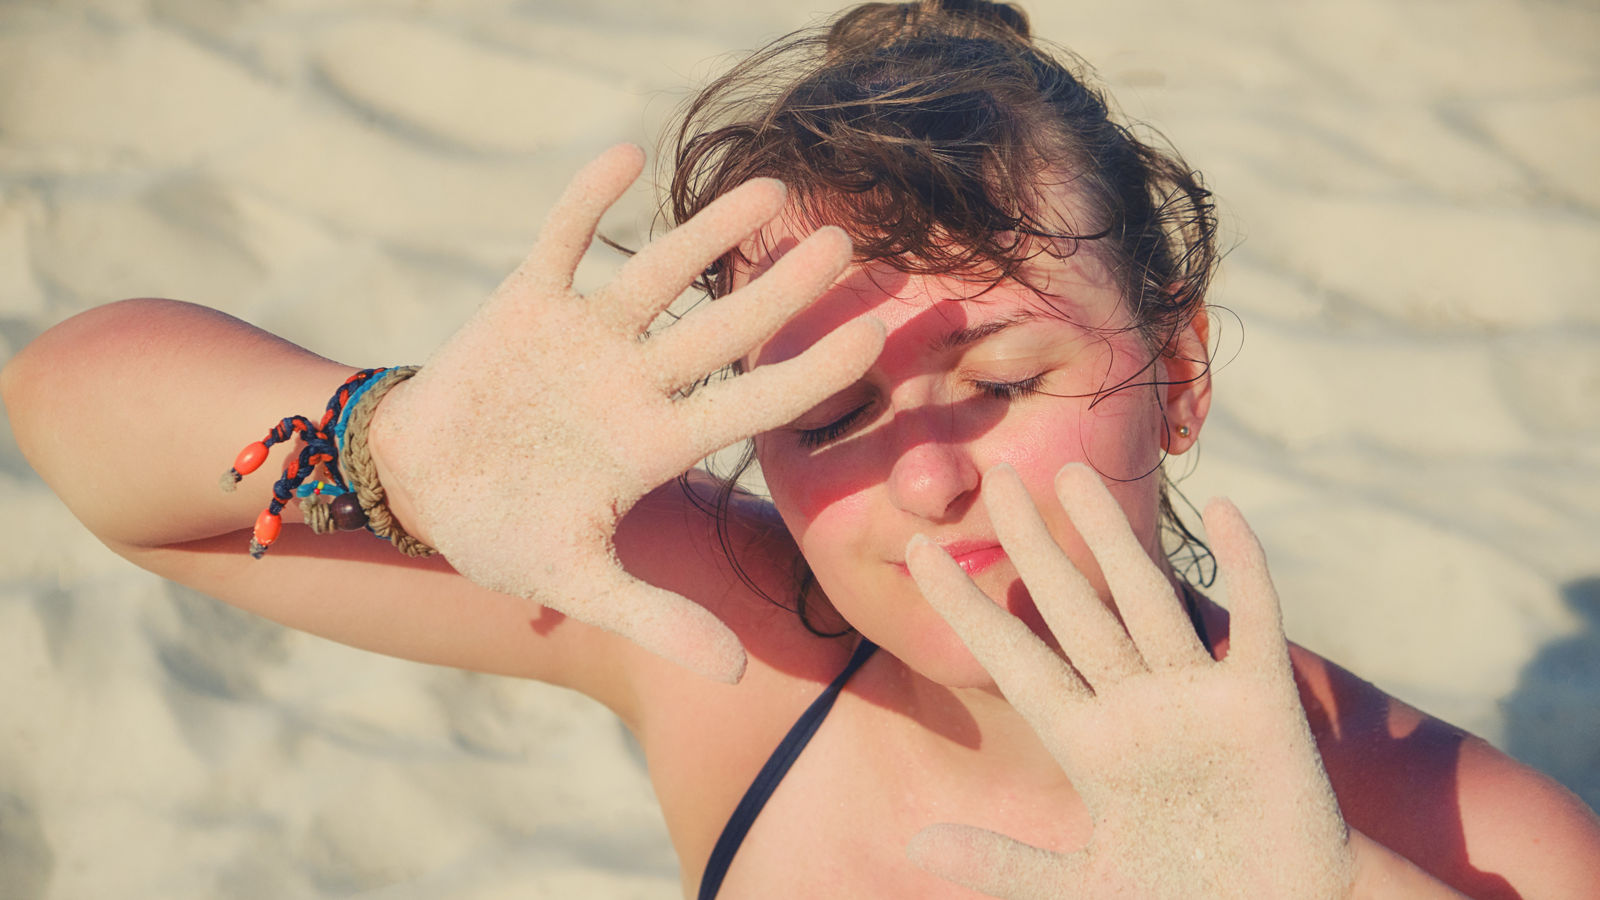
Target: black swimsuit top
x,y
744,815
777,765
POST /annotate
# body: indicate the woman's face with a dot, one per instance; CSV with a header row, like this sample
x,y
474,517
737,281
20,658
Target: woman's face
x,y
968,378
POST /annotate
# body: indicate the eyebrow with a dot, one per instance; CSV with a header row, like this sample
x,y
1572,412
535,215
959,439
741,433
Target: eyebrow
x,y
963,337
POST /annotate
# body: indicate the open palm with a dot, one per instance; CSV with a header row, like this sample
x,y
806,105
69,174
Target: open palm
x,y
1201,776
532,430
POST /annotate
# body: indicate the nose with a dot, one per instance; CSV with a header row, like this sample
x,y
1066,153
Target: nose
x,y
933,477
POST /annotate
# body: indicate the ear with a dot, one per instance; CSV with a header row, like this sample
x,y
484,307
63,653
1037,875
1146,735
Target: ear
x,y
1186,393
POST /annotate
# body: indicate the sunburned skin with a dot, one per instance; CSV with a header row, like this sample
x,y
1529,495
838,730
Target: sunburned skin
x,y
1201,776
541,380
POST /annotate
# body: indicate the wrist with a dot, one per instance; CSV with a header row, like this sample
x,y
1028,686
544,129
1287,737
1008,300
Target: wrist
x,y
334,443
380,444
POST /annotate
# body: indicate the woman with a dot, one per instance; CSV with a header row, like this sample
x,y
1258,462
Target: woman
x,y
1071,335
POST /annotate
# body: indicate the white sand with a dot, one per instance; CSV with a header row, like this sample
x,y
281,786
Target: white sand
x,y
1411,424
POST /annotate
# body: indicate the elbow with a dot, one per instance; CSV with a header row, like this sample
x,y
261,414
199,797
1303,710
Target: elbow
x,y
11,381
75,342
52,370
20,384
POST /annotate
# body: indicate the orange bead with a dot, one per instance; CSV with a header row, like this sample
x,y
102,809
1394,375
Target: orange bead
x,y
250,458
268,525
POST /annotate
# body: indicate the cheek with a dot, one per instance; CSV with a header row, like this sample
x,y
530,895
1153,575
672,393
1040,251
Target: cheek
x,y
833,543
816,501
1117,438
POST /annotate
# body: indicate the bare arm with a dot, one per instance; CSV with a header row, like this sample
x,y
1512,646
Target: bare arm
x,y
130,411
122,409
1268,823
1457,807
1382,874
545,499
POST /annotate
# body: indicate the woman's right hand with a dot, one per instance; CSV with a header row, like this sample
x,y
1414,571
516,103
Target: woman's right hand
x,y
532,430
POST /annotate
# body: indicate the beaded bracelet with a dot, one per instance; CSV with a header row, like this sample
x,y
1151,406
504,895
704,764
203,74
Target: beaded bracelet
x,y
362,472
355,499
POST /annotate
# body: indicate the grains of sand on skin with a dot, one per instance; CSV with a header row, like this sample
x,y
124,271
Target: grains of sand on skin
x,y
1174,826
551,417
1201,777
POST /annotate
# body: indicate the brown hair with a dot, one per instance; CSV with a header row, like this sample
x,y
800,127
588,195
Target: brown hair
x,y
931,132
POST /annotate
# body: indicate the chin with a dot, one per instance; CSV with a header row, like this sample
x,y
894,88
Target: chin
x,y
927,645
937,654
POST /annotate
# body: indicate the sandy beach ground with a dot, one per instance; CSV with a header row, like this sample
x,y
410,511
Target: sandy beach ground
x,y
1407,398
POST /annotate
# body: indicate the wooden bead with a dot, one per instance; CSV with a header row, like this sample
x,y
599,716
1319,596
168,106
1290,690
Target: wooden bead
x,y
347,512
250,458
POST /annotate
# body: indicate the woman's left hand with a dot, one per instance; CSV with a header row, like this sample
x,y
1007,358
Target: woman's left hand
x,y
1201,776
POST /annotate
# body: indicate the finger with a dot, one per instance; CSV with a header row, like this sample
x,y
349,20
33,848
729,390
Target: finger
x,y
1095,643
727,329
1031,676
675,628
1255,632
994,864
770,396
656,275
1148,606
570,226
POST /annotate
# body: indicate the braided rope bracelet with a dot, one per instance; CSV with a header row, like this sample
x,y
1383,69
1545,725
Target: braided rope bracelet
x,y
355,498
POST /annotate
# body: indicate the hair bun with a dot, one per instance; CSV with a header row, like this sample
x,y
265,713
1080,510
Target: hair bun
x,y
872,25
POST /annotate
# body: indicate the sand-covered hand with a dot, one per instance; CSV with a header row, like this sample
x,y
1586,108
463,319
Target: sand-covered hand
x,y
1201,777
532,430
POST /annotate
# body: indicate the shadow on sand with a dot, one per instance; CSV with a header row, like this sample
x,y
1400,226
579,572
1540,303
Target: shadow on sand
x,y
1551,719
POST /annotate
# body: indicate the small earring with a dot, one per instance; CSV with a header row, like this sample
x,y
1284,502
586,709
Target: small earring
x,y
1183,431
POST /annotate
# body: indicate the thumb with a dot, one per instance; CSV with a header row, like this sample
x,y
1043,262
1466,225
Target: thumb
x,y
994,864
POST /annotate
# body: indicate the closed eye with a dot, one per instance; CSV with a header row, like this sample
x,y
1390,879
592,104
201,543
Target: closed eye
x,y
816,437
998,390
1010,390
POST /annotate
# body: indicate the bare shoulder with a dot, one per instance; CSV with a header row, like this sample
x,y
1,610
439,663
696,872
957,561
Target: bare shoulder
x,y
705,741
1445,799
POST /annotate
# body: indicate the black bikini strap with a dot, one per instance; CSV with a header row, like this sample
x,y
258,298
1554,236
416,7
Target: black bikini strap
x,y
744,815
1191,604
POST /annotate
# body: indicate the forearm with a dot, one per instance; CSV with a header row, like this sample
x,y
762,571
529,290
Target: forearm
x,y
131,411
1382,873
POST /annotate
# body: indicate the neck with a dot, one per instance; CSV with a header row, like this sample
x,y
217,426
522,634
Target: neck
x,y
965,729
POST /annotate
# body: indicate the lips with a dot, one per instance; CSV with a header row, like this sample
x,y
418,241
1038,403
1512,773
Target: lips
x,y
972,556
974,561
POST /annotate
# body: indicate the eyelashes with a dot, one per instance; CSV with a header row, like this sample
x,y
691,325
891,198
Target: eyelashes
x,y
816,437
1009,391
